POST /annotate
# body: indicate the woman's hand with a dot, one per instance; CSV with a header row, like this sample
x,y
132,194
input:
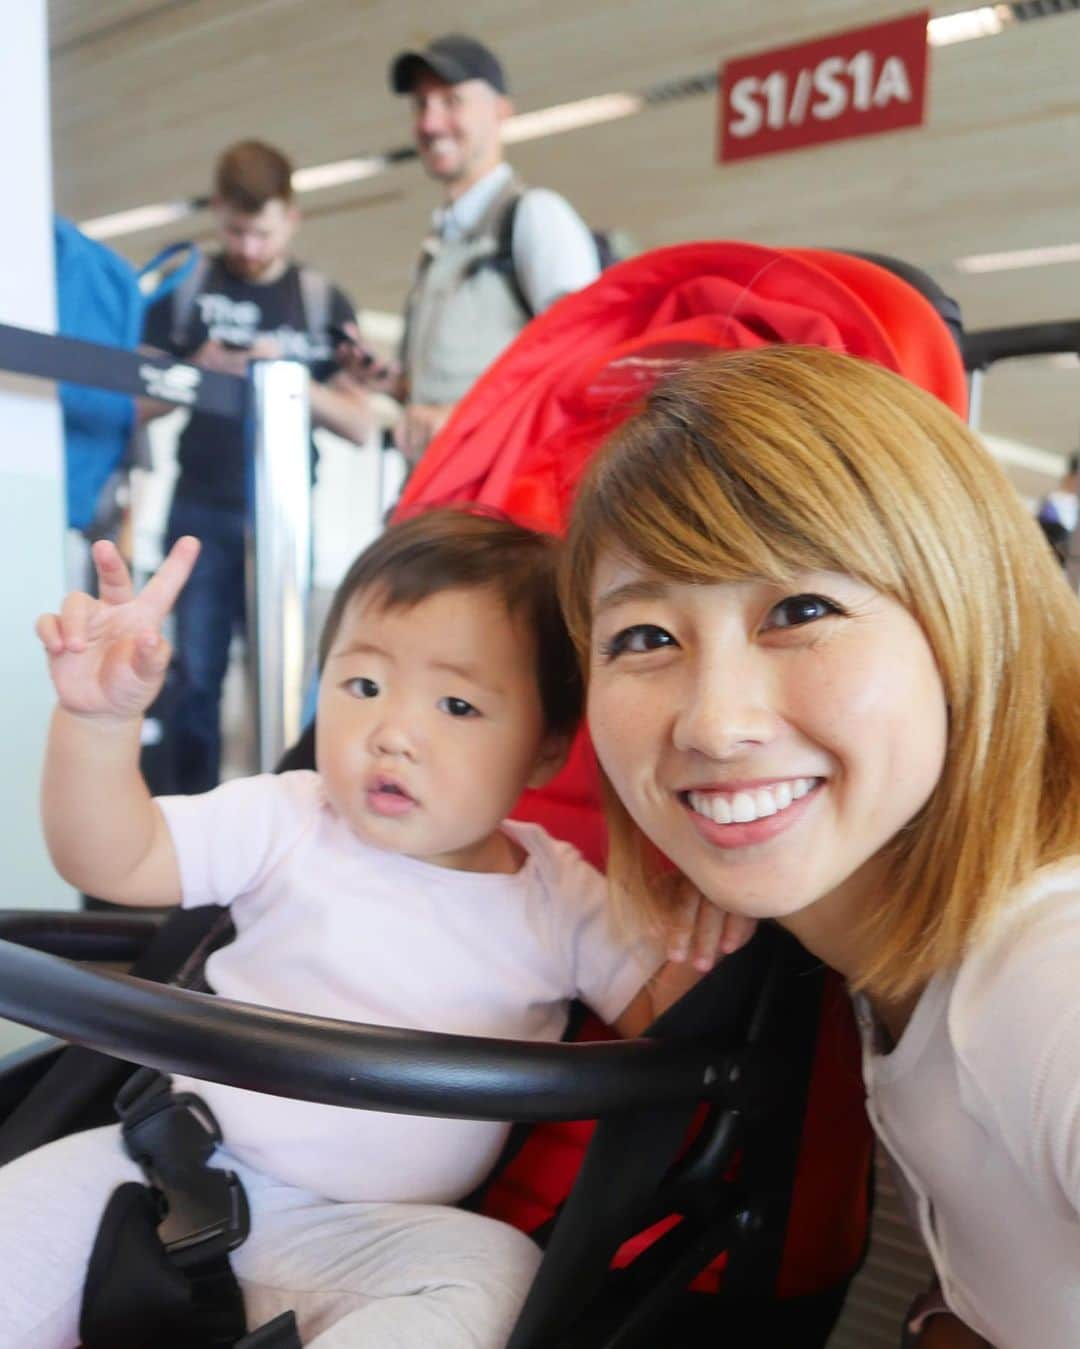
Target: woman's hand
x,y
107,656
699,934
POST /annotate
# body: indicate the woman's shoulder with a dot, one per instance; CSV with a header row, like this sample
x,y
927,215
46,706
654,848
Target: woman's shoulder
x,y
1038,929
1014,1024
1017,992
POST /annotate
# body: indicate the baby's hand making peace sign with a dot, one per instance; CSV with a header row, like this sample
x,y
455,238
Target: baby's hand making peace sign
x,y
107,656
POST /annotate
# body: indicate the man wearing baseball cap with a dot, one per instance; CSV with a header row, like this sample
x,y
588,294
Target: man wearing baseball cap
x,y
497,253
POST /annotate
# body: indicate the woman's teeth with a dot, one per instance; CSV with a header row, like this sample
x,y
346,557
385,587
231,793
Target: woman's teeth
x,y
745,807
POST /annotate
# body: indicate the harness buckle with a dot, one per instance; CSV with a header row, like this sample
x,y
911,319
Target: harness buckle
x,y
172,1137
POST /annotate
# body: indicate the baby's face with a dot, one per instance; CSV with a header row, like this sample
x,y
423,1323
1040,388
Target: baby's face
x,y
430,725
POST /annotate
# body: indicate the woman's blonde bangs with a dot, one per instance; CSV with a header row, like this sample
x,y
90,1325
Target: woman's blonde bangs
x,y
766,464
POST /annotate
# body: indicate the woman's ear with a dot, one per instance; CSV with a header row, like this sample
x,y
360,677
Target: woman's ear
x,y
553,754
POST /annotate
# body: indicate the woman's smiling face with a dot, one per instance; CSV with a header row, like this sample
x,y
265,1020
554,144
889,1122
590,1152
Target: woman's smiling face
x,y
769,740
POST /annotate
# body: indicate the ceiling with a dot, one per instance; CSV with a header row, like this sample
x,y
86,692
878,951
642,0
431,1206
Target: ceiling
x,y
146,92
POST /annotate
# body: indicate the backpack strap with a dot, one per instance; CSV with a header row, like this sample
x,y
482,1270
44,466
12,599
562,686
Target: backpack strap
x,y
501,259
428,250
183,301
504,253
176,275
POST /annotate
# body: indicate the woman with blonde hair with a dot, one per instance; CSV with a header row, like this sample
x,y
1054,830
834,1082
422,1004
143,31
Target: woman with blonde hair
x,y
834,677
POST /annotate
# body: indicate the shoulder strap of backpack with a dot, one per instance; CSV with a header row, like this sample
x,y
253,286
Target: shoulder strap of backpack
x,y
184,258
183,301
315,297
502,259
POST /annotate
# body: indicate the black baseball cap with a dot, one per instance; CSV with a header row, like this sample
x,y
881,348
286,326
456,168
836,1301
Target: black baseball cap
x,y
453,58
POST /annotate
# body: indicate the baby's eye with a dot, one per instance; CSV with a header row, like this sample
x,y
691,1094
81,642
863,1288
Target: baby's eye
x,y
457,707
362,688
798,610
638,638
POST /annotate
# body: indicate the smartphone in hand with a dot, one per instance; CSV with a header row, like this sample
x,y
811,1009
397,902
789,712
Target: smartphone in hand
x,y
364,363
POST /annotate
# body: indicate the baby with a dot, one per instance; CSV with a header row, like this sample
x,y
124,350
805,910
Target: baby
x,y
387,887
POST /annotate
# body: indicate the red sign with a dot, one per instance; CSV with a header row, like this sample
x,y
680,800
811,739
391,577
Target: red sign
x,y
857,83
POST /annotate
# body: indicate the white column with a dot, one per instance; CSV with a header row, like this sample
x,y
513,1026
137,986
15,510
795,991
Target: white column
x,y
31,465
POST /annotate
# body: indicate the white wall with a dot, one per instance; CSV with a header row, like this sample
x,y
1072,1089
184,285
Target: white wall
x,y
31,465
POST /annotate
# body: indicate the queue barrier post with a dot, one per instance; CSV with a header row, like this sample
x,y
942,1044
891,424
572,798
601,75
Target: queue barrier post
x,y
975,397
279,552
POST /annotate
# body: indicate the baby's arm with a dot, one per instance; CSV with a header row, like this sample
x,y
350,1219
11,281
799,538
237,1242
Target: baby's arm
x,y
107,660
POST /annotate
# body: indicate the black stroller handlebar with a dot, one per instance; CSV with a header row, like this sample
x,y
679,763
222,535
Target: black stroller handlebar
x,y
345,1063
988,345
81,935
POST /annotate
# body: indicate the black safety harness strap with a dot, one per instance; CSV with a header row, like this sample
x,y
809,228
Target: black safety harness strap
x,y
159,1275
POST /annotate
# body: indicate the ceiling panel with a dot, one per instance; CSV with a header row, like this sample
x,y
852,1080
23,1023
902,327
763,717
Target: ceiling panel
x,y
81,23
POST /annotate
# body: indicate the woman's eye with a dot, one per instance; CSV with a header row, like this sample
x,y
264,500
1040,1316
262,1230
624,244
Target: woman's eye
x,y
457,707
798,610
636,639
362,688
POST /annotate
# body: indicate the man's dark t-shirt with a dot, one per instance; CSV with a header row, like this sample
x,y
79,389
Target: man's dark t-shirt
x,y
235,313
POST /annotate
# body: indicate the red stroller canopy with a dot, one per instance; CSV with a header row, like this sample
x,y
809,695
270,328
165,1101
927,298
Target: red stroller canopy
x,y
520,437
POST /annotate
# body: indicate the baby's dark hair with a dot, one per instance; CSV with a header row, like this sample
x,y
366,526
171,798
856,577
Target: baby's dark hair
x,y
458,549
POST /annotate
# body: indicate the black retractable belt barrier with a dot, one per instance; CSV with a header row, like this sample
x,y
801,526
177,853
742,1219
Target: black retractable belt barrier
x,y
271,404
23,351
